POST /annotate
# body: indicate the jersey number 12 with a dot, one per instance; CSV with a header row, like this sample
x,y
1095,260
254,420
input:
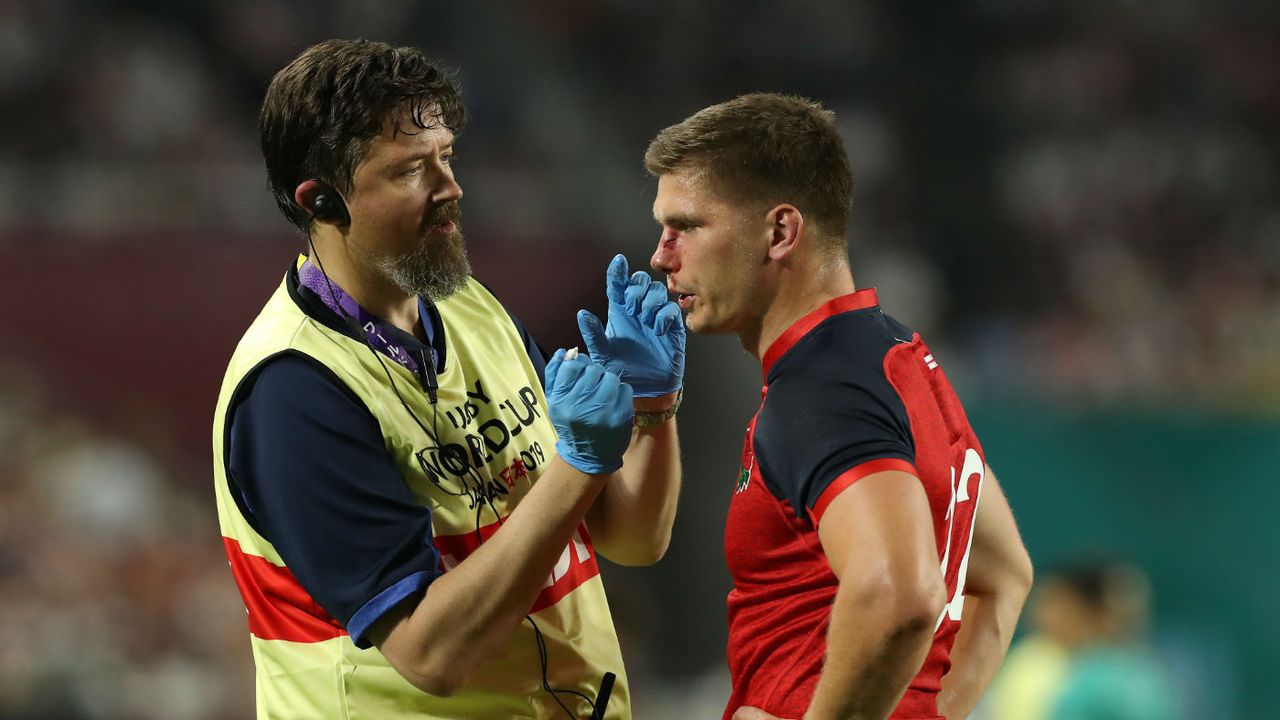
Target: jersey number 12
x,y
960,523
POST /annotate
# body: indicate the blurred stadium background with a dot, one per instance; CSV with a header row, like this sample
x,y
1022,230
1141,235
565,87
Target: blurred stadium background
x,y
1077,201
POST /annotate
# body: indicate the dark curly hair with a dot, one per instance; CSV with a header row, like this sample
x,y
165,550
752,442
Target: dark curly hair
x,y
323,110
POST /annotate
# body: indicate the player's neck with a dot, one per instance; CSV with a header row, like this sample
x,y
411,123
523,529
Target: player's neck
x,y
799,292
369,287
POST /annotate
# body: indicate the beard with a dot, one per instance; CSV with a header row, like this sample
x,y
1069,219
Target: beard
x,y
437,267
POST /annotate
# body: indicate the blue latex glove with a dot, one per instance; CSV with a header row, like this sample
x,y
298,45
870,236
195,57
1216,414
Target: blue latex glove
x,y
644,342
591,411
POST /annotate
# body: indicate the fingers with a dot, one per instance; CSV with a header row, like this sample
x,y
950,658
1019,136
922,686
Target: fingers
x,y
614,395
608,384
590,378
617,396
635,291
655,298
616,280
641,295
622,407
582,381
668,318
626,399
578,376
550,372
592,334
562,373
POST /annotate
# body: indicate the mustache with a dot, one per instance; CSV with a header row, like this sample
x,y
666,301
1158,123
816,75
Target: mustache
x,y
448,212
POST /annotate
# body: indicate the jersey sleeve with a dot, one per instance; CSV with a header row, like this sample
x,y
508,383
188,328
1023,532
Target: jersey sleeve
x,y
309,463
818,434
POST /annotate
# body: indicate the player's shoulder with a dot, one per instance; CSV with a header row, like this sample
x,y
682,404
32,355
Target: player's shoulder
x,y
836,371
830,405
843,352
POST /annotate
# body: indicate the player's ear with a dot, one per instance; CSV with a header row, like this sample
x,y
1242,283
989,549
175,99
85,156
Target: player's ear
x,y
786,227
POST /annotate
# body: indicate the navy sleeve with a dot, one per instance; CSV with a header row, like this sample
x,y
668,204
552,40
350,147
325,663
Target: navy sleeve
x,y
310,464
817,424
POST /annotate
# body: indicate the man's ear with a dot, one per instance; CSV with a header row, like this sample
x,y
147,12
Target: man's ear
x,y
786,228
305,195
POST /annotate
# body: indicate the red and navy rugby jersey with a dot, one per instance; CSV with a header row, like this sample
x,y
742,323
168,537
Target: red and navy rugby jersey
x,y
848,392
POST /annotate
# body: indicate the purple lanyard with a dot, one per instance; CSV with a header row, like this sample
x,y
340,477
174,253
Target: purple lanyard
x,y
343,304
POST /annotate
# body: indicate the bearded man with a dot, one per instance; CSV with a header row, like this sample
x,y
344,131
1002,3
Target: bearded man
x,y
411,494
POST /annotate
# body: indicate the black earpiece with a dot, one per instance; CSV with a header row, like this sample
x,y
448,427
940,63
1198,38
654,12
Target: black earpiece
x,y
328,207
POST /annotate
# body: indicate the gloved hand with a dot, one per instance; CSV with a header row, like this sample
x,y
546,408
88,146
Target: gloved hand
x,y
644,342
591,411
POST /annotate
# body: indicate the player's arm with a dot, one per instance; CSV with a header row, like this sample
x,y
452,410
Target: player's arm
x,y
997,584
631,521
878,536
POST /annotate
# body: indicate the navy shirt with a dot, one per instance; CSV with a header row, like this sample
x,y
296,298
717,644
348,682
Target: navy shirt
x,y
830,407
310,463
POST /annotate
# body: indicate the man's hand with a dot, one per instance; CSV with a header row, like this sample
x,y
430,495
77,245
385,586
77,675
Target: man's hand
x,y
750,713
591,411
644,341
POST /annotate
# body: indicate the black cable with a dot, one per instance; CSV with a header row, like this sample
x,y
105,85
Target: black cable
x,y
546,685
537,632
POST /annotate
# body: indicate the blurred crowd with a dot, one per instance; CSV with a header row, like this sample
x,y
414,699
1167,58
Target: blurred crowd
x,y
117,600
1137,180
1080,199
1074,199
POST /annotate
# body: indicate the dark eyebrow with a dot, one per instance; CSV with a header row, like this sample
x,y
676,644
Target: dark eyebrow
x,y
422,155
414,157
676,219
406,159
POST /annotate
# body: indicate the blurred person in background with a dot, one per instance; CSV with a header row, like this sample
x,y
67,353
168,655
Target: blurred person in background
x,y
1031,677
856,514
404,509
1085,659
